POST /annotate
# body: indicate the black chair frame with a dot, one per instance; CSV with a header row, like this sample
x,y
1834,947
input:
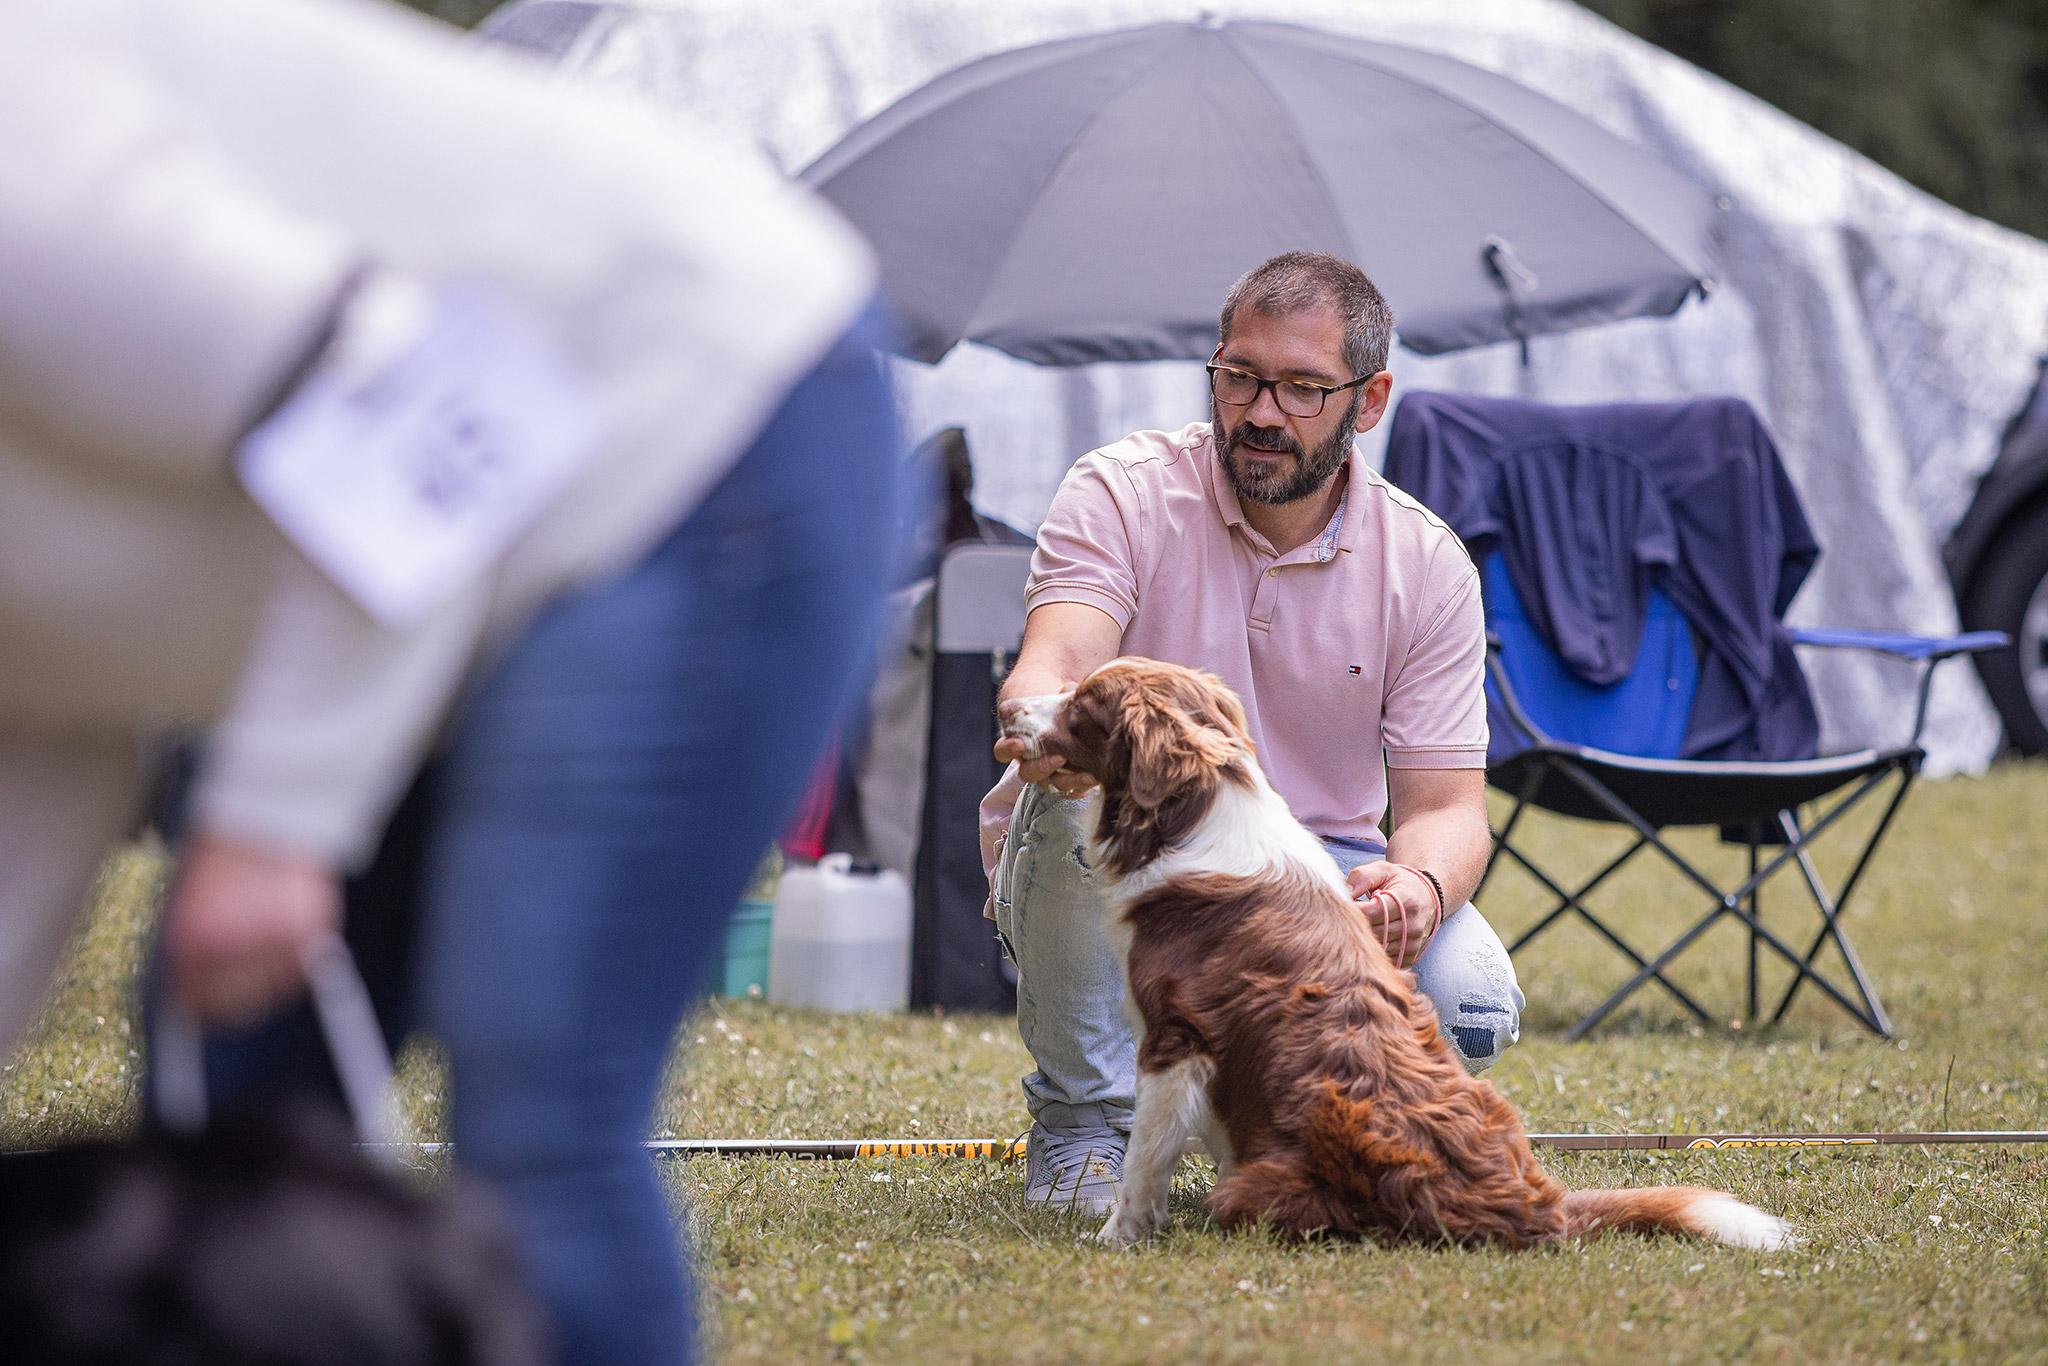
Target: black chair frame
x,y
1755,804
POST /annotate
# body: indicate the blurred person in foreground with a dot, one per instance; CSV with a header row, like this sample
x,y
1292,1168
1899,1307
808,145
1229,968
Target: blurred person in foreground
x,y
1260,546
535,776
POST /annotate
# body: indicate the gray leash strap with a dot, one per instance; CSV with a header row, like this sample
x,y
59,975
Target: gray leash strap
x,y
348,1024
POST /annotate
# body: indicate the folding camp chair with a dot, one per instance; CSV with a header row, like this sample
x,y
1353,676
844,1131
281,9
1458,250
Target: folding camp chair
x,y
1546,487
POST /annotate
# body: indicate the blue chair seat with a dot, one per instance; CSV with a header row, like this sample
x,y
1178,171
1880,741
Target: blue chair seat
x,y
1645,713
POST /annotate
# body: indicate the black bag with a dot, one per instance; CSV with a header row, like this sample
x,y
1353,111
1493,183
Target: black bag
x,y
978,618
263,1238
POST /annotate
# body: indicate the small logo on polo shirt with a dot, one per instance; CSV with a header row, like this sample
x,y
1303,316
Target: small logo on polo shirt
x,y
1356,669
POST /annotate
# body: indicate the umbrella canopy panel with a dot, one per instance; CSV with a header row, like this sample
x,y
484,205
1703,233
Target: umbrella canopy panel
x,y
1092,199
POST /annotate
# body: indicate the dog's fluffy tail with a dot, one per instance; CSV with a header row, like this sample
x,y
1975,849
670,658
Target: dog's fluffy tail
x,y
1675,1209
1361,1149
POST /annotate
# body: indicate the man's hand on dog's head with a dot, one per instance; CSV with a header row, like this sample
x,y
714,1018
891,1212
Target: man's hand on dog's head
x,y
1047,770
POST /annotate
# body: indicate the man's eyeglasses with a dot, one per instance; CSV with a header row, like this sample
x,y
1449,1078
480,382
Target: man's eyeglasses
x,y
1296,397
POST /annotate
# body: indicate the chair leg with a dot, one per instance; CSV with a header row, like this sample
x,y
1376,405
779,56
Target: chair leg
x,y
1874,1017
1654,968
1756,914
1569,901
1573,902
1831,910
1729,902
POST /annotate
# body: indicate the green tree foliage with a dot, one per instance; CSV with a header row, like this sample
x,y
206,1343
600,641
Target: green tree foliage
x,y
1951,94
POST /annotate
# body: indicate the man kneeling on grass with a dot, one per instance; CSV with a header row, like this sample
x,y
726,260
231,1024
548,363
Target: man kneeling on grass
x,y
1260,546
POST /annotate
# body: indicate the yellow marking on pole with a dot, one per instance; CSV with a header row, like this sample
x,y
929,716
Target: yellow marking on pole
x,y
1781,1142
950,1147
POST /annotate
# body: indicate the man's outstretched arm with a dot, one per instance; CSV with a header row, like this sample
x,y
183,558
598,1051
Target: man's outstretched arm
x,y
1064,642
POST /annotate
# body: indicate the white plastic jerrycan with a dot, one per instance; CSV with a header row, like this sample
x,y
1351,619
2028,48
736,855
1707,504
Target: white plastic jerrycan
x,y
841,937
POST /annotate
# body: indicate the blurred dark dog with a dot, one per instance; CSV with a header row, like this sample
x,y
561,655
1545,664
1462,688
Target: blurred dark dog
x,y
269,1240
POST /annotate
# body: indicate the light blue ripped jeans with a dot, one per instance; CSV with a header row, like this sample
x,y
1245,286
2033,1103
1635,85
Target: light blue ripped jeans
x,y
1070,989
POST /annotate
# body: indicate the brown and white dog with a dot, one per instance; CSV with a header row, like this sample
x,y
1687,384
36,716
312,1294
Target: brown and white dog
x,y
1273,1024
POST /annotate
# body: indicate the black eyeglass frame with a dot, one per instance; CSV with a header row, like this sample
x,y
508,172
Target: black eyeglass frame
x,y
1324,390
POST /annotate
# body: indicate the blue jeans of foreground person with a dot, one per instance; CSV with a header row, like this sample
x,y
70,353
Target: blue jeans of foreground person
x,y
1070,989
553,892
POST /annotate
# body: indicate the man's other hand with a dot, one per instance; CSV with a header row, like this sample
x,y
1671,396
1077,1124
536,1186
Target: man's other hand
x,y
1399,905
238,926
1046,770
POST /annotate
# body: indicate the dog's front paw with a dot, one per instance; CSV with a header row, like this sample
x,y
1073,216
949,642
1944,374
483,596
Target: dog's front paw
x,y
1129,1224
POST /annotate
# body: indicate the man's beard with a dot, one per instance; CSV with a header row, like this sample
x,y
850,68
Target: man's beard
x,y
1312,470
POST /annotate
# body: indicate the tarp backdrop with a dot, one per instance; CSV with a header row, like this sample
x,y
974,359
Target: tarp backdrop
x,y
1885,336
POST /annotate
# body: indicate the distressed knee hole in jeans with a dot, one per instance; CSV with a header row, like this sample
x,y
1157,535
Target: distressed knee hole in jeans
x,y
1480,1041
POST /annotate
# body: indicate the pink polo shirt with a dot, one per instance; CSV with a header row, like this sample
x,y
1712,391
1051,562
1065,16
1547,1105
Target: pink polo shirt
x,y
1362,649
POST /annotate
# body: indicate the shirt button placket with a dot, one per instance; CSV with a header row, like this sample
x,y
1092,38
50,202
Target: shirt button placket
x,y
1262,599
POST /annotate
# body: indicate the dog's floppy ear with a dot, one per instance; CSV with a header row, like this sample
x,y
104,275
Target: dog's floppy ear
x,y
1170,750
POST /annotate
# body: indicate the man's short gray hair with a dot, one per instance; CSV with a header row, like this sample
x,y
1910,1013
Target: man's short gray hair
x,y
1302,280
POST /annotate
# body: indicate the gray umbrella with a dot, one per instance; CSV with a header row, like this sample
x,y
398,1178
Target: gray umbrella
x,y
1092,199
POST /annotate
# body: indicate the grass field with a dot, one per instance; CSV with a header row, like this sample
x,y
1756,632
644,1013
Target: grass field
x,y
1911,1254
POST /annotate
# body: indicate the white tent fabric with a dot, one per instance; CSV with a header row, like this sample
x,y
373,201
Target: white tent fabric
x,y
1886,337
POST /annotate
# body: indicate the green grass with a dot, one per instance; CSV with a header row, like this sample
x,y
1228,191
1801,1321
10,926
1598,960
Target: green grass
x,y
1911,1254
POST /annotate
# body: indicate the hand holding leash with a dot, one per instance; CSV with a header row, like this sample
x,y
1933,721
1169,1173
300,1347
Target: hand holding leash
x,y
1401,904
239,924
348,1024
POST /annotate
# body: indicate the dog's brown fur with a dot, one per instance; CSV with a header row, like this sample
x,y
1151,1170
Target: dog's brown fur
x,y
1346,1111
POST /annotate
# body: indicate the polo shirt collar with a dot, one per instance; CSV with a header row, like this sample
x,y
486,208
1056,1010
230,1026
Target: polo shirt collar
x,y
1351,534
1220,491
1326,545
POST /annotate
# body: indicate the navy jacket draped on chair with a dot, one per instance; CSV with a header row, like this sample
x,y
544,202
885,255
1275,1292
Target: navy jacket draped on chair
x,y
1592,508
